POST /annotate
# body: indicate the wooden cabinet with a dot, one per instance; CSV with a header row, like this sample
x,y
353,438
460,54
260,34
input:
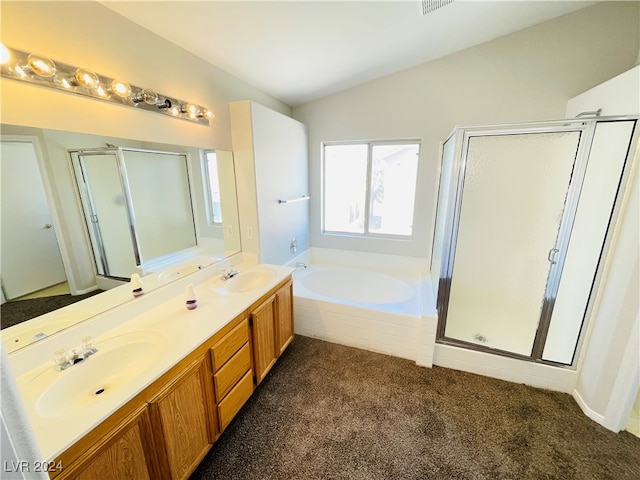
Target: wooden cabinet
x,y
233,375
263,336
284,317
127,451
166,429
180,415
272,329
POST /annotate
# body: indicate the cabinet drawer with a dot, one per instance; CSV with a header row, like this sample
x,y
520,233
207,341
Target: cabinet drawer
x,y
230,344
232,403
232,371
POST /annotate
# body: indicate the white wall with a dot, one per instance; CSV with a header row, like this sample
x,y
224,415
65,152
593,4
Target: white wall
x,y
612,348
620,95
609,368
90,35
271,158
633,425
613,343
282,174
527,75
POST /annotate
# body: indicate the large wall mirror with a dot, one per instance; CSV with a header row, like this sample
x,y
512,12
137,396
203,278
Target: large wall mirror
x,y
137,206
82,213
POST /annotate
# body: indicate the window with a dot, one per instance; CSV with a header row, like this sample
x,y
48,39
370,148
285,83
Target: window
x,y
213,188
369,188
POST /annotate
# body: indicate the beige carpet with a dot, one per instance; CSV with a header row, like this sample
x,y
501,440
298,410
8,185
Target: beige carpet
x,y
333,412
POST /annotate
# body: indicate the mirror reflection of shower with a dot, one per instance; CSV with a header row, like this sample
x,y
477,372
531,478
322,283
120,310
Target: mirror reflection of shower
x,y
137,206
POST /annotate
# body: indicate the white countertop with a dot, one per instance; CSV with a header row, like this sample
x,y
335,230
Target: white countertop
x,y
160,312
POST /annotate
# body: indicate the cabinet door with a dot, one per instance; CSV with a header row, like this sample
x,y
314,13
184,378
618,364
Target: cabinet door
x,y
127,452
263,336
181,415
284,317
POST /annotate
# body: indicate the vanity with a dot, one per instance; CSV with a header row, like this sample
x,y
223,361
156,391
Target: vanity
x,y
165,381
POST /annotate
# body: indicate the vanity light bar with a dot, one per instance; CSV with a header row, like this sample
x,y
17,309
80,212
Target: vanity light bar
x,y
40,70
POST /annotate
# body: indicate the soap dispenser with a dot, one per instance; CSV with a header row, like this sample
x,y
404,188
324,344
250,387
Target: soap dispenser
x,y
136,285
190,299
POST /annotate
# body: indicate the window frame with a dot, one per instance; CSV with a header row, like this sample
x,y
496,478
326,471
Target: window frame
x,y
367,213
207,187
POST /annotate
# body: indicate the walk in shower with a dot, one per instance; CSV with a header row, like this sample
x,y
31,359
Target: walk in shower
x,y
137,206
522,222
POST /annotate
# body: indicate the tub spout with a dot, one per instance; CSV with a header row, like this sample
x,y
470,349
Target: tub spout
x,y
301,265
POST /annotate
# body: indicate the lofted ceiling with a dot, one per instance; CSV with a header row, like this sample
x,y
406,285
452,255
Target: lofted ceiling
x,y
299,51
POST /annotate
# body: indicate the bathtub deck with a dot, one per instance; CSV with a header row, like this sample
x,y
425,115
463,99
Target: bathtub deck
x,y
405,329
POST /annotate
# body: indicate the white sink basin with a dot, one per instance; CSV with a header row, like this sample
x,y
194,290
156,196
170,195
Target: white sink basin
x,y
118,363
246,281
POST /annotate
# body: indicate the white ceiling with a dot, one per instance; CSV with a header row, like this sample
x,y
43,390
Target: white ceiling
x,y
298,51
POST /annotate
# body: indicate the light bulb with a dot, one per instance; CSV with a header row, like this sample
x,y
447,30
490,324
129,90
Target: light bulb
x,y
191,109
175,111
121,89
146,95
4,54
86,78
149,96
207,113
43,66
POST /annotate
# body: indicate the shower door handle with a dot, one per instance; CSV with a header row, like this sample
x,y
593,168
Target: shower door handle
x,y
552,255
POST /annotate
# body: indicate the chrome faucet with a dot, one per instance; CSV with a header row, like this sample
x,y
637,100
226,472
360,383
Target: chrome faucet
x,y
227,273
300,264
63,359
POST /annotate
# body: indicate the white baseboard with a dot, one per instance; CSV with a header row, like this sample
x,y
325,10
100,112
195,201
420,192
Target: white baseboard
x,y
86,290
593,415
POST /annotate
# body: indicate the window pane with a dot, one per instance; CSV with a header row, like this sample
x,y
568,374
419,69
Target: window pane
x,y
345,186
393,187
215,211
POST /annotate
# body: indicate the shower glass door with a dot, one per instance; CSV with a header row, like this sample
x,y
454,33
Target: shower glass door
x,y
105,209
508,236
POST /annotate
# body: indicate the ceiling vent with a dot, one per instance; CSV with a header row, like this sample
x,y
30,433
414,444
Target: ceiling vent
x,y
429,6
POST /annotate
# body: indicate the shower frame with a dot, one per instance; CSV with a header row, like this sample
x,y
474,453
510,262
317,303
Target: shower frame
x,y
461,135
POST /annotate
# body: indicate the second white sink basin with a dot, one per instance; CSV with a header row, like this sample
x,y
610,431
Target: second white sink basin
x,y
118,363
27,332
246,281
178,271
